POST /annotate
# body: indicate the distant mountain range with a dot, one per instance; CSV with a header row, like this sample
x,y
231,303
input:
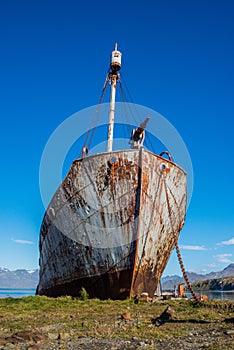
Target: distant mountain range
x,y
169,282
224,283
29,278
18,278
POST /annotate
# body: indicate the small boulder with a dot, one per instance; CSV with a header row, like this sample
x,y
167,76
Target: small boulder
x,y
144,296
167,315
126,316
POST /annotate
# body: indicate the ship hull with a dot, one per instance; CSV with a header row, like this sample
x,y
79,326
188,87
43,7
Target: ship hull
x,y
112,225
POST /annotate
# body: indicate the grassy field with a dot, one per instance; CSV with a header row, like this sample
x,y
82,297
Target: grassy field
x,y
104,319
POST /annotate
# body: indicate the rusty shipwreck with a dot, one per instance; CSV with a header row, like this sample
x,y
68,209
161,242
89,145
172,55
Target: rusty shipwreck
x,y
115,219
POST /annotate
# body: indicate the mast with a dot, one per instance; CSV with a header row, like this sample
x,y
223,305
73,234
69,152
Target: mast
x,y
115,66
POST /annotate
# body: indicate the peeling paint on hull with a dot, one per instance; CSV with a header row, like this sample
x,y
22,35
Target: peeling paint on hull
x,y
111,224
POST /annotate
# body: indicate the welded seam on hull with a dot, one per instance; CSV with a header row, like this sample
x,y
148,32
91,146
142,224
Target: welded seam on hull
x,y
97,195
103,206
95,212
178,205
79,190
138,199
147,233
83,220
170,212
72,173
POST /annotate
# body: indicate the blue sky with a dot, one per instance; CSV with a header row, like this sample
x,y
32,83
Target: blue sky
x,y
177,59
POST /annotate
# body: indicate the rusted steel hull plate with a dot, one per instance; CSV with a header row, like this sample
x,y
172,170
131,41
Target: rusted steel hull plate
x,y
110,226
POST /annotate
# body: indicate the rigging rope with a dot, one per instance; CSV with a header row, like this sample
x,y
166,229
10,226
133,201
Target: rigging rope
x,y
125,108
128,110
93,123
138,120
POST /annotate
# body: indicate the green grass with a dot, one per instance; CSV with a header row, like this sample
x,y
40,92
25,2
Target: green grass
x,y
103,318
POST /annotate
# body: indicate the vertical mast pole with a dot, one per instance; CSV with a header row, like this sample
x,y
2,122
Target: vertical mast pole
x,y
111,114
115,66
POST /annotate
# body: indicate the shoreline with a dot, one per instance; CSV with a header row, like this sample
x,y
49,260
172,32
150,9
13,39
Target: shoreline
x,y
212,294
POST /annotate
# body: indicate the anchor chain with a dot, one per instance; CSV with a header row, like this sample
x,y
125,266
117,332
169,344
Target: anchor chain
x,y
184,272
178,250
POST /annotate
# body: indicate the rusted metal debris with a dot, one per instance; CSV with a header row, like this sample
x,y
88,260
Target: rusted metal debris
x,y
108,228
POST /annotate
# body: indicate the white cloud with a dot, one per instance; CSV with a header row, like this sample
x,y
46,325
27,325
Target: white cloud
x,y
229,242
192,247
211,266
21,241
223,258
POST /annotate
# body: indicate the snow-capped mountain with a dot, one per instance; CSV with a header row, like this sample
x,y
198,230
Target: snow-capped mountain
x,y
20,278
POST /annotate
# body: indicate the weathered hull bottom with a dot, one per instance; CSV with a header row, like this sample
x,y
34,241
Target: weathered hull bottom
x,y
113,285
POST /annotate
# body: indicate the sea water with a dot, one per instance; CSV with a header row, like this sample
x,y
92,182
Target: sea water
x,y
24,292
215,294
16,292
